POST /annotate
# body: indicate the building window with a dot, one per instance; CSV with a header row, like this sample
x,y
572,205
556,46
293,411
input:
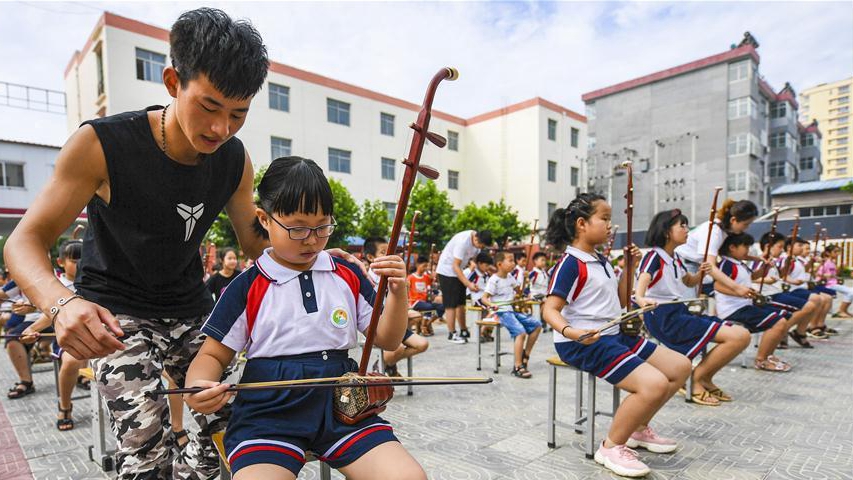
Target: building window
x,y
743,107
279,147
843,100
839,151
806,163
551,208
590,142
13,175
339,160
590,111
841,141
575,133
388,168
808,140
844,89
337,112
738,145
99,60
841,171
552,129
386,124
840,131
737,182
552,171
778,109
777,169
149,66
840,110
739,71
279,97
777,140
391,209
452,180
453,140
575,175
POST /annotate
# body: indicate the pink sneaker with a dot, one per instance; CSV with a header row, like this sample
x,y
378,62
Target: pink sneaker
x,y
651,441
621,460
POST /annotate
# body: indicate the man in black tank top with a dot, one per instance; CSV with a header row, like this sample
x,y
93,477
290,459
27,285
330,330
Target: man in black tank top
x,y
152,181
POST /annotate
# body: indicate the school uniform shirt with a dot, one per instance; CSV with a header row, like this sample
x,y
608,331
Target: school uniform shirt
x,y
374,277
538,281
771,271
667,276
741,273
694,249
797,271
518,274
461,246
418,288
502,290
270,310
479,279
589,286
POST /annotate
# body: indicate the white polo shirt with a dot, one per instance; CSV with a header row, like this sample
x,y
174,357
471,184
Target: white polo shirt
x,y
771,271
270,310
479,279
461,246
667,276
591,290
694,249
798,271
741,273
502,290
539,280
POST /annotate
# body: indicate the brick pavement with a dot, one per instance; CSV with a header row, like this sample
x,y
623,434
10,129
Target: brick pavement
x,y
781,426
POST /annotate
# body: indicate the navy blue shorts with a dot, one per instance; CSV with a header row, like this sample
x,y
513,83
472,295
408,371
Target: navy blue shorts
x,y
708,289
611,358
822,289
758,319
279,426
680,330
518,323
14,321
800,293
787,298
18,329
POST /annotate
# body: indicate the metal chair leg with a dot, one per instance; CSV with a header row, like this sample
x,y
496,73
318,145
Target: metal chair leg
x,y
552,406
590,412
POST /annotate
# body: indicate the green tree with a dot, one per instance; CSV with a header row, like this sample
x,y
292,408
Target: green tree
x,y
374,220
498,217
435,222
848,187
346,214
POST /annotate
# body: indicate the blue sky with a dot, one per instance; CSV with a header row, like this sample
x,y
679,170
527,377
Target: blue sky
x,y
505,51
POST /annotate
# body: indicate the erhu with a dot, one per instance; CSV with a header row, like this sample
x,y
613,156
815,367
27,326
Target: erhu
x,y
521,305
711,218
634,325
813,258
761,300
788,265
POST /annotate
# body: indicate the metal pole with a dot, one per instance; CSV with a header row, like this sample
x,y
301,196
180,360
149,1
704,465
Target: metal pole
x,y
693,177
657,178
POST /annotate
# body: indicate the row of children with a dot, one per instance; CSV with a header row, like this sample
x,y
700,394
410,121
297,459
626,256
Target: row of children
x,y
585,292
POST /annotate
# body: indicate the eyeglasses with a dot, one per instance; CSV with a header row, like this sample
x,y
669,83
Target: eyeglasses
x,y
301,233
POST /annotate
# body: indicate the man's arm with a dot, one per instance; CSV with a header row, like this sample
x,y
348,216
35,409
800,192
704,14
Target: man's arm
x,y
457,267
241,210
80,173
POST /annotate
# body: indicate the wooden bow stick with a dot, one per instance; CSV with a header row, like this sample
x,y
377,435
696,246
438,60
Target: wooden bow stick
x,y
766,255
618,321
36,334
334,382
711,218
612,239
411,245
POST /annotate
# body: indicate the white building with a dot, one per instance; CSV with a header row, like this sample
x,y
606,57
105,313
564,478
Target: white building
x,y
528,154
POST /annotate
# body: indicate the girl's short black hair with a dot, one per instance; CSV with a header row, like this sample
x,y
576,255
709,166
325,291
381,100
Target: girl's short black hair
x,y
561,225
71,249
735,240
230,53
770,238
484,257
658,232
293,184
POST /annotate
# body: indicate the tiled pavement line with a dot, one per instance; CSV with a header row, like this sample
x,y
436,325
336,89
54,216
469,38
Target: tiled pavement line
x,y
13,462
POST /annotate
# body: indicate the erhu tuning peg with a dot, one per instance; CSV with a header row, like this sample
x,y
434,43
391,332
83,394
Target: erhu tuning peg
x,y
428,171
436,139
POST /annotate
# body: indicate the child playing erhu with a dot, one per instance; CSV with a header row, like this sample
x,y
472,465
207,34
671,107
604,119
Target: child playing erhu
x,y
297,312
524,330
584,294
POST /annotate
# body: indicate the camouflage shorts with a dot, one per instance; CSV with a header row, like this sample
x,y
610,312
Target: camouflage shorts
x,y
141,422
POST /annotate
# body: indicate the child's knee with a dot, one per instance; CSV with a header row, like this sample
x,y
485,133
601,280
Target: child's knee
x,y
683,368
654,387
741,336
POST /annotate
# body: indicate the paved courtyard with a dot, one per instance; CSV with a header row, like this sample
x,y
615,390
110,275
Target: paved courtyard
x,y
797,425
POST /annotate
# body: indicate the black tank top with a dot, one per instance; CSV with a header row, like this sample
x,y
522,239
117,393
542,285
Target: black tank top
x,y
141,252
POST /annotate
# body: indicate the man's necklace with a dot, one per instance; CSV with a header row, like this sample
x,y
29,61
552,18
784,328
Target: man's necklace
x,y
163,129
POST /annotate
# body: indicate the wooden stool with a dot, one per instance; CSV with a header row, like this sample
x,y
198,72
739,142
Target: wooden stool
x,y
225,468
100,424
580,417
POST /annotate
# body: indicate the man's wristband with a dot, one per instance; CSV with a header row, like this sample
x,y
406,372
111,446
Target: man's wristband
x,y
54,310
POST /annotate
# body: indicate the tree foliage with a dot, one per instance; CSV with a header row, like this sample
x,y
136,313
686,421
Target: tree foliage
x,y
498,217
373,220
346,215
435,222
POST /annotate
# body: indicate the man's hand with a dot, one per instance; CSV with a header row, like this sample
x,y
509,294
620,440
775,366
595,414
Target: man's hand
x,y
337,252
87,330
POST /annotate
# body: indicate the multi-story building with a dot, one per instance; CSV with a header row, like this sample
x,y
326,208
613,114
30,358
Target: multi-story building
x,y
829,104
811,166
711,122
24,170
528,154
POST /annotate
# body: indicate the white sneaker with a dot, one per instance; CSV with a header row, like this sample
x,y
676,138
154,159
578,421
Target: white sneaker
x,y
651,441
621,460
457,339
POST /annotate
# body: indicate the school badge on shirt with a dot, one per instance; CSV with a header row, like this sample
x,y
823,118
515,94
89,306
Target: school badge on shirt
x,y
340,318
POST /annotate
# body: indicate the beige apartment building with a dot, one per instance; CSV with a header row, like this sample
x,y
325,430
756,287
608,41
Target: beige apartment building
x,y
829,104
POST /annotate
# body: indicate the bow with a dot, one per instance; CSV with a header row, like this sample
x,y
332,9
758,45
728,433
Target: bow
x,y
813,258
789,260
411,238
766,255
609,246
628,325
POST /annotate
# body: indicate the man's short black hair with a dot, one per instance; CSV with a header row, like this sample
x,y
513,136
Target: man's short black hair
x,y
485,236
230,53
538,255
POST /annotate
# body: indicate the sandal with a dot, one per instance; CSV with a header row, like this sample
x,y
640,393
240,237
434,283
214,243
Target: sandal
x,y
16,392
802,340
83,383
830,331
770,365
177,436
705,398
66,422
521,372
720,395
